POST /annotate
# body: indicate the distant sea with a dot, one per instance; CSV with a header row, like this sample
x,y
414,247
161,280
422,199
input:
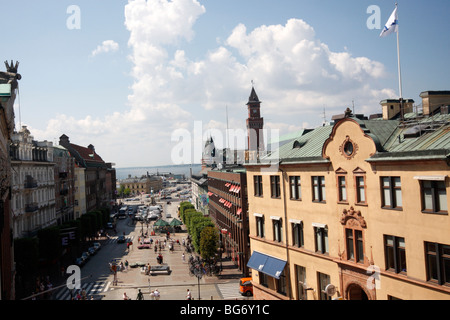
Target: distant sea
x,y
122,173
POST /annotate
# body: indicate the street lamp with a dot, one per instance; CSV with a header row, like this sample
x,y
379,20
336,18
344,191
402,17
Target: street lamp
x,y
198,271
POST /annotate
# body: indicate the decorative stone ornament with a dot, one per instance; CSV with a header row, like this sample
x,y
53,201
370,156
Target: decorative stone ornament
x,y
355,218
348,148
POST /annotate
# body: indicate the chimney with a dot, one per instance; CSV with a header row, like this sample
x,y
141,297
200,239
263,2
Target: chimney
x,y
434,100
91,147
392,108
64,141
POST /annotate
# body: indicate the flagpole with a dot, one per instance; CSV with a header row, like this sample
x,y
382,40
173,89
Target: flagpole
x,y
398,58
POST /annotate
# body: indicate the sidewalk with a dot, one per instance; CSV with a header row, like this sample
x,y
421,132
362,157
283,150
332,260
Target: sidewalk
x,y
173,286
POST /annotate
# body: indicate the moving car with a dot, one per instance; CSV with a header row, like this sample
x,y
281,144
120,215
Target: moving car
x,y
121,239
246,287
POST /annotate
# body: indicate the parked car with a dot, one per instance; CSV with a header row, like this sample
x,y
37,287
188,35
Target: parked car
x,y
85,255
97,246
79,262
109,225
92,251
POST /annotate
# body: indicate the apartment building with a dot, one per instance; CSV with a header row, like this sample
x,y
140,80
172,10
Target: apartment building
x,y
227,193
356,210
98,190
64,184
33,184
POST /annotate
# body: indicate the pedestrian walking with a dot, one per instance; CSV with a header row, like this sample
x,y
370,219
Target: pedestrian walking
x,y
183,257
126,265
140,295
125,297
188,295
157,294
152,295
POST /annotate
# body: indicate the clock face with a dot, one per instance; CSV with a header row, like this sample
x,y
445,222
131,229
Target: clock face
x,y
254,110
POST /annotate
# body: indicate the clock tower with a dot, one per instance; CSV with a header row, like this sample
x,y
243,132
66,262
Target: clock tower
x,y
255,124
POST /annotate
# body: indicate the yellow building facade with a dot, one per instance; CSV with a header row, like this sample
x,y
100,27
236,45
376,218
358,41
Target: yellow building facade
x,y
356,210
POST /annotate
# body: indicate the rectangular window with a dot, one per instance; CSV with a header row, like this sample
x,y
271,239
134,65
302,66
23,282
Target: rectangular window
x,y
360,190
281,284
277,227
395,254
434,197
359,246
275,186
324,280
260,227
321,240
301,283
438,262
342,186
294,185
297,234
263,279
318,184
350,244
391,193
355,245
257,181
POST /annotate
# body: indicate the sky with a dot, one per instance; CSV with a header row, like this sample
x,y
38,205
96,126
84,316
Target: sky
x,y
147,82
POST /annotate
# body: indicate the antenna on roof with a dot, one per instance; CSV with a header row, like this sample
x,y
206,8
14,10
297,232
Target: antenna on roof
x,y
228,140
324,117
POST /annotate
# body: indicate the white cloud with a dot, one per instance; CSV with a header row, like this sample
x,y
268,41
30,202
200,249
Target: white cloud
x,y
105,47
296,76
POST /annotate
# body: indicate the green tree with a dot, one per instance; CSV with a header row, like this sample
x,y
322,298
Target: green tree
x,y
184,206
197,228
209,242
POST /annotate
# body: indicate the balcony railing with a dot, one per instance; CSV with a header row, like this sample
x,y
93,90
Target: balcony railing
x,y
31,207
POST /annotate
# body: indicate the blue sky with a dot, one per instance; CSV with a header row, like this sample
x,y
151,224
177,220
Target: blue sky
x,y
165,68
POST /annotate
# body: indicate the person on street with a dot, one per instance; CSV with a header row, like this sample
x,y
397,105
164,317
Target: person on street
x,y
125,297
140,295
188,295
157,294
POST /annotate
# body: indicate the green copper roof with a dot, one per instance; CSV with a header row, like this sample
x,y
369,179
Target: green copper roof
x,y
393,140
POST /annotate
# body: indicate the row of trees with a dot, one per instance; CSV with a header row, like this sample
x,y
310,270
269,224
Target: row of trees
x,y
204,234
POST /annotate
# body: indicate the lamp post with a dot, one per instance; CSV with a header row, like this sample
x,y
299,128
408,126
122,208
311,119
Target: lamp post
x,y
198,272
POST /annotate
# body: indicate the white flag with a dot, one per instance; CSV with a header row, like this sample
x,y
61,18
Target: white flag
x,y
391,24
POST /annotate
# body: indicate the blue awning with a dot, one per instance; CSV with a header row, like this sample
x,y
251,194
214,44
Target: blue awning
x,y
266,264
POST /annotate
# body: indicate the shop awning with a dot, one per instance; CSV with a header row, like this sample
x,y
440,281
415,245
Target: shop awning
x,y
266,264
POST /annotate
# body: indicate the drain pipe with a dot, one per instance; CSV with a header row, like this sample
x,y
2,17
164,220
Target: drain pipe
x,y
288,275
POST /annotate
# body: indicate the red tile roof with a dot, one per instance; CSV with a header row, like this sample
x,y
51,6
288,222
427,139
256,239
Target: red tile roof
x,y
87,154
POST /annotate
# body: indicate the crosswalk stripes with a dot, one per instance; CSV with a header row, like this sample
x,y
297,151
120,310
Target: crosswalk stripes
x,y
113,239
91,288
229,291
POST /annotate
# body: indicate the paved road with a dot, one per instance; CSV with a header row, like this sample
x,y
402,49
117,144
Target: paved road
x,y
171,287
